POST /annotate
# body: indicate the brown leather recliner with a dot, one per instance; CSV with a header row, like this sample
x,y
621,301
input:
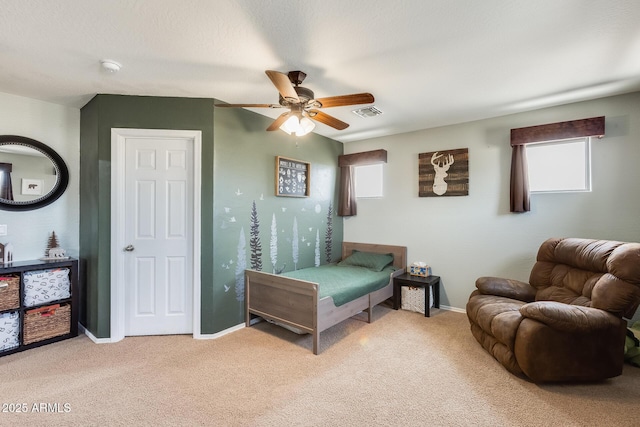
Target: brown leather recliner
x,y
567,323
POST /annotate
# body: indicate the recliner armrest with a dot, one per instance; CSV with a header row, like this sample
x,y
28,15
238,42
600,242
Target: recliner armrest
x,y
570,318
507,288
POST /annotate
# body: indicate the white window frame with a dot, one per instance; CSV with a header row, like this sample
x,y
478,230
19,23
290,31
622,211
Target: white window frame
x,y
587,166
369,191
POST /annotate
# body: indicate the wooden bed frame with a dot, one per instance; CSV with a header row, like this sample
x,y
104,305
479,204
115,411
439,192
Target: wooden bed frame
x,y
296,303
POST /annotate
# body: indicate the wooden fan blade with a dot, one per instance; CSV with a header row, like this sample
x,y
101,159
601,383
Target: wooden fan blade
x,y
248,105
340,101
283,84
327,119
279,121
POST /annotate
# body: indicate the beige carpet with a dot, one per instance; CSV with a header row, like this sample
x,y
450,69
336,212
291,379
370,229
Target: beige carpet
x,y
402,369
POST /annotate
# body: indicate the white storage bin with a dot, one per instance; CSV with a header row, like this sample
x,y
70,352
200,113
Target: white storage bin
x,y
413,298
9,330
43,286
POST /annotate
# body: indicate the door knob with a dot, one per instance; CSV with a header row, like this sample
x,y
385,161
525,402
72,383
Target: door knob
x,y
129,248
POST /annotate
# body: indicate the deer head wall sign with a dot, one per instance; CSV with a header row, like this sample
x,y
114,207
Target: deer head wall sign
x,y
443,173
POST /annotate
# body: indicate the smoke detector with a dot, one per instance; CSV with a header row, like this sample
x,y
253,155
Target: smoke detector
x,y
110,66
367,112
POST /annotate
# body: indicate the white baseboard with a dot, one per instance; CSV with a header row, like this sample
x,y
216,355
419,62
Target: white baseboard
x,y
83,330
456,309
219,334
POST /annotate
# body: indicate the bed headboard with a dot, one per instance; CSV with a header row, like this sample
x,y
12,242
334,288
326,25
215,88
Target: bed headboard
x,y
399,252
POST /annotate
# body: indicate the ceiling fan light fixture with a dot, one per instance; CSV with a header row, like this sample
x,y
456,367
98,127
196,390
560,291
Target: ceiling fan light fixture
x,y
307,125
303,106
298,126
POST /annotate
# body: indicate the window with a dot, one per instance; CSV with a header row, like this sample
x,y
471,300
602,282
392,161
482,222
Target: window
x,y
559,166
368,180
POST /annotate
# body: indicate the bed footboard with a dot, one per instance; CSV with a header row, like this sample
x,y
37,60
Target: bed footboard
x,y
289,301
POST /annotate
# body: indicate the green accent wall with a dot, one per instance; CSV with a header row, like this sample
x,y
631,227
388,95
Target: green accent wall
x,y
238,168
245,173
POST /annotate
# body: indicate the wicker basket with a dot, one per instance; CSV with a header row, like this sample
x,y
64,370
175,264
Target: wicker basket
x,y
9,292
46,322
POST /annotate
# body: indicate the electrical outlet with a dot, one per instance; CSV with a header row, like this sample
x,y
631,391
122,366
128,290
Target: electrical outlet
x,y
3,229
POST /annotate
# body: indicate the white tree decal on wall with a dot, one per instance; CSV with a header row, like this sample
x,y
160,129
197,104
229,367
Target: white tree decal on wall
x,y
328,238
317,248
294,243
273,244
241,264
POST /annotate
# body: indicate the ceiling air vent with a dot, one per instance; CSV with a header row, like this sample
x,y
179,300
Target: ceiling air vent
x,y
367,112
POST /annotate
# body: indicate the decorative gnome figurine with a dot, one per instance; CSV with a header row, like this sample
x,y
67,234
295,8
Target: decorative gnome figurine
x,y
54,251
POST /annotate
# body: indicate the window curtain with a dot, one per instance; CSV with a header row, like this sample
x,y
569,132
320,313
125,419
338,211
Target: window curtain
x,y
519,187
6,189
347,202
347,192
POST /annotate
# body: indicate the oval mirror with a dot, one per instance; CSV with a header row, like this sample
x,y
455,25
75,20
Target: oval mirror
x,y
32,175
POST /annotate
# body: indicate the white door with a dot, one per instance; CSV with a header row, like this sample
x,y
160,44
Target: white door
x,y
158,235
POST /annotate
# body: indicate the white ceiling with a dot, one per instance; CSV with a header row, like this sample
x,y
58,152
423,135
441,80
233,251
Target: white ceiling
x,y
427,62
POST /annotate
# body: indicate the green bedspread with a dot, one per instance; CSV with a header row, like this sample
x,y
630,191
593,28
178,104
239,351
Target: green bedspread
x,y
343,283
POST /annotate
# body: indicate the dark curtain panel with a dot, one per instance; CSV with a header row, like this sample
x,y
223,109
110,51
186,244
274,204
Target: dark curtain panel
x,y
519,180
347,201
346,162
6,189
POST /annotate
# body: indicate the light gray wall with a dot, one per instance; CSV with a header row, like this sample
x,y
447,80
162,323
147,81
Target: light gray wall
x,y
465,237
59,128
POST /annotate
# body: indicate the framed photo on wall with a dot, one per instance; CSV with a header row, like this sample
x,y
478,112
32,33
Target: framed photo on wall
x,y
293,177
32,187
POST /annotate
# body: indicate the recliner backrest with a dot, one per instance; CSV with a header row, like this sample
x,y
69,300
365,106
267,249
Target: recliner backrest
x,y
593,273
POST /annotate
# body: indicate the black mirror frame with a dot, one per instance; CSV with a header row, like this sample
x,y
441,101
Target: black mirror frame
x,y
58,164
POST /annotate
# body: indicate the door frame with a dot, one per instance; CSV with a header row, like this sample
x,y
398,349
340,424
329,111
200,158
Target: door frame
x,y
118,291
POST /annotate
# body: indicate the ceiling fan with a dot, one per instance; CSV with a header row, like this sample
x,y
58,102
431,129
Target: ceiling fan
x,y
303,106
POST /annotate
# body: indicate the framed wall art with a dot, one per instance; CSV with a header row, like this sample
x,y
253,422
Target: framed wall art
x,y
443,173
32,187
292,177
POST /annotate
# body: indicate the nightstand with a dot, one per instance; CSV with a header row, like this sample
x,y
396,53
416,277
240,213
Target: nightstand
x,y
427,283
